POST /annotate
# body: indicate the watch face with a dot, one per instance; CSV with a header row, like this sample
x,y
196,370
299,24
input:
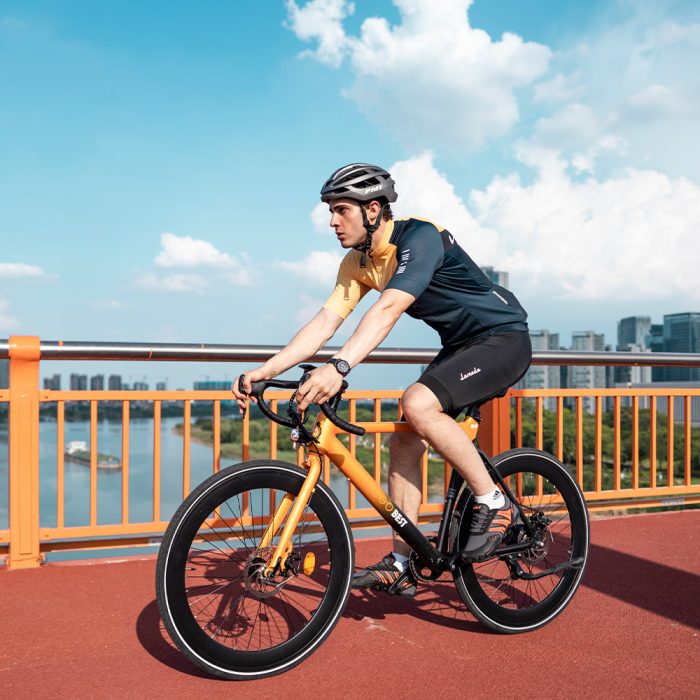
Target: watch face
x,y
342,366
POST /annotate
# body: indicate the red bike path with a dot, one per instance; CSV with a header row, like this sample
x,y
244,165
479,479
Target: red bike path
x,y
91,630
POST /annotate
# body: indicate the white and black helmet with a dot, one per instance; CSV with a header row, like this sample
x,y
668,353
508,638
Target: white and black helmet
x,y
360,181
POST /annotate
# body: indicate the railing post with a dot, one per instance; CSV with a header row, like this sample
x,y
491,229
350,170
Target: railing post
x,y
25,352
494,432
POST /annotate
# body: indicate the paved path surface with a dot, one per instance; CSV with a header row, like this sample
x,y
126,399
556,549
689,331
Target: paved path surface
x,y
92,631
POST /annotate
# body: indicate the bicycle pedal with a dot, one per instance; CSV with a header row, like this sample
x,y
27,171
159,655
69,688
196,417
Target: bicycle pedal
x,y
394,588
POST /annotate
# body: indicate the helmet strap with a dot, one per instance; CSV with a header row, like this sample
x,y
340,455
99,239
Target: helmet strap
x,y
370,229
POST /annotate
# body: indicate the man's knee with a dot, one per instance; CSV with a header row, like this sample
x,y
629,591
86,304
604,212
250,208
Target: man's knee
x,y
419,403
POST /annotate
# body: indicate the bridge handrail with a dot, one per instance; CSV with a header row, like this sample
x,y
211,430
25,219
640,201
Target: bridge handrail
x,y
97,350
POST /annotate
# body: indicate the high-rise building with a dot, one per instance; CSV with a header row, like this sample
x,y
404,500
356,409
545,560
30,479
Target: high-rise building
x,y
587,377
497,276
53,383
4,374
633,330
212,385
115,382
78,382
543,376
161,386
140,386
655,342
633,334
681,334
97,383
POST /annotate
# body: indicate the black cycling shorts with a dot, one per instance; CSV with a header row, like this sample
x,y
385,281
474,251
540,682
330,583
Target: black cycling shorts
x,y
478,371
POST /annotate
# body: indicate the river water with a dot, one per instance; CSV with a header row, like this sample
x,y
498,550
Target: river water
x,y
109,482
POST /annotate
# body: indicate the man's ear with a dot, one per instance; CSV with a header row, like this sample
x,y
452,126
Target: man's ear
x,y
374,208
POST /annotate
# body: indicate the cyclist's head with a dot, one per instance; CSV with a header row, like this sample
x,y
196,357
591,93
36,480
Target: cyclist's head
x,y
362,182
367,188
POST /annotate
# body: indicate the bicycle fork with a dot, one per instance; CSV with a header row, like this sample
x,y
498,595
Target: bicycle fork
x,y
293,507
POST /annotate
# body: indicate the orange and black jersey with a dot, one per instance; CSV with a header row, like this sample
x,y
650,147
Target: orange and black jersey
x,y
453,295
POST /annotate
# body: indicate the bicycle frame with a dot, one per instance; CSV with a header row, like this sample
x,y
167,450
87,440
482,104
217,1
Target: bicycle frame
x,y
327,443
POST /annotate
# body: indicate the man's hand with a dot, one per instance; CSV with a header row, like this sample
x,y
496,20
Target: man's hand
x,y
323,384
253,375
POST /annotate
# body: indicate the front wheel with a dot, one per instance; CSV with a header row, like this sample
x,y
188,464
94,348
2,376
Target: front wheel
x,y
523,591
216,601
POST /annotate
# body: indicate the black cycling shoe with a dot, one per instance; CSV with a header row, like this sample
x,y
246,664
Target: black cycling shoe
x,y
487,531
384,576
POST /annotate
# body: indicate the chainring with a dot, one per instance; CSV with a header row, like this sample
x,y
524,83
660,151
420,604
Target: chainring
x,y
419,568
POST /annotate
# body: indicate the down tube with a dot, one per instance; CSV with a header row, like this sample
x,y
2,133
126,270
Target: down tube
x,y
374,493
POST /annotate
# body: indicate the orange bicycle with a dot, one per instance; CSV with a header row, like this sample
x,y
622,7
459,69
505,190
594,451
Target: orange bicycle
x,y
255,566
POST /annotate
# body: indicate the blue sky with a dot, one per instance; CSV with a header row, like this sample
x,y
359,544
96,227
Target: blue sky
x,y
160,162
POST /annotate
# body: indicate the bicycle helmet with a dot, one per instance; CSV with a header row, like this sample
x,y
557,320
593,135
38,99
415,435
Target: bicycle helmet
x,y
360,181
363,183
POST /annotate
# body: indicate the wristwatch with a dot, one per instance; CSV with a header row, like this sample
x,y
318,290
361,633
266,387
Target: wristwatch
x,y
341,365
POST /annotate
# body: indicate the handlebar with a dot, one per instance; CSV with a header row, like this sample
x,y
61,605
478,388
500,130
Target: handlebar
x,y
328,408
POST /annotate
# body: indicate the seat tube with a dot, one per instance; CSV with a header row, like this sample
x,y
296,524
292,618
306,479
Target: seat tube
x,y
307,489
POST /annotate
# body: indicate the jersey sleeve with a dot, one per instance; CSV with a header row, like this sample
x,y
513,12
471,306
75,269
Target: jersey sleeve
x,y
419,253
348,290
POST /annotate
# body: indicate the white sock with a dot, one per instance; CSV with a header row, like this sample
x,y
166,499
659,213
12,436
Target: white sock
x,y
400,561
493,499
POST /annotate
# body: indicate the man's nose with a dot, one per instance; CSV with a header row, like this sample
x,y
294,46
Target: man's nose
x,y
334,221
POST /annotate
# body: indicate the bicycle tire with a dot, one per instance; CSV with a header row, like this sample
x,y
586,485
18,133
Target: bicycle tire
x,y
508,604
217,612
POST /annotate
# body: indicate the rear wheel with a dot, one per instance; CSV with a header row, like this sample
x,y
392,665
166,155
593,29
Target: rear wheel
x,y
218,605
521,592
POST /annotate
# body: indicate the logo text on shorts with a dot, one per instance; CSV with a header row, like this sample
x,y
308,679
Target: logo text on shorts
x,y
470,373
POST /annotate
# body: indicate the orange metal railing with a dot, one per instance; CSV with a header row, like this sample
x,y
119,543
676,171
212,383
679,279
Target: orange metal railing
x,y
649,465
646,477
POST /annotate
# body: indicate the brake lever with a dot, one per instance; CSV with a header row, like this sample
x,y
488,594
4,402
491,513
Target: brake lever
x,y
241,388
291,412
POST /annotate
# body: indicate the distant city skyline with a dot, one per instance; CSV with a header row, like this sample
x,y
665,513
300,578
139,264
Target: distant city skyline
x,y
678,332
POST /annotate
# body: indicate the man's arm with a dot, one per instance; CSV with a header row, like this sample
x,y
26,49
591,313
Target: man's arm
x,y
325,382
313,336
307,342
375,325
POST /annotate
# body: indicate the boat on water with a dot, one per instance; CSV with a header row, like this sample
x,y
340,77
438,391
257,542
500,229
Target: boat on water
x,y
79,452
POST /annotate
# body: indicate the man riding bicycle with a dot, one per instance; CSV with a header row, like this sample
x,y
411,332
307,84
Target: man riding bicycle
x,y
418,268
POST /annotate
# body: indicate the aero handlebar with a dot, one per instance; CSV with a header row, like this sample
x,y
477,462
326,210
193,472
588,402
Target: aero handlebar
x,y
328,408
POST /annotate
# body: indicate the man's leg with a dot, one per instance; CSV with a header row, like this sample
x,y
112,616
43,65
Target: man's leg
x,y
425,415
405,452
491,511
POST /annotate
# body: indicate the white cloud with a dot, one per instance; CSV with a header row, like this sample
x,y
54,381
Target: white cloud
x,y
635,72
306,308
656,101
7,321
633,236
171,283
185,251
321,218
319,267
560,88
425,192
321,20
452,86
669,34
19,270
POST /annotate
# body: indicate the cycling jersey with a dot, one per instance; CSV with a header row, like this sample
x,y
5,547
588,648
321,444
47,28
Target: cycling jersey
x,y
452,294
